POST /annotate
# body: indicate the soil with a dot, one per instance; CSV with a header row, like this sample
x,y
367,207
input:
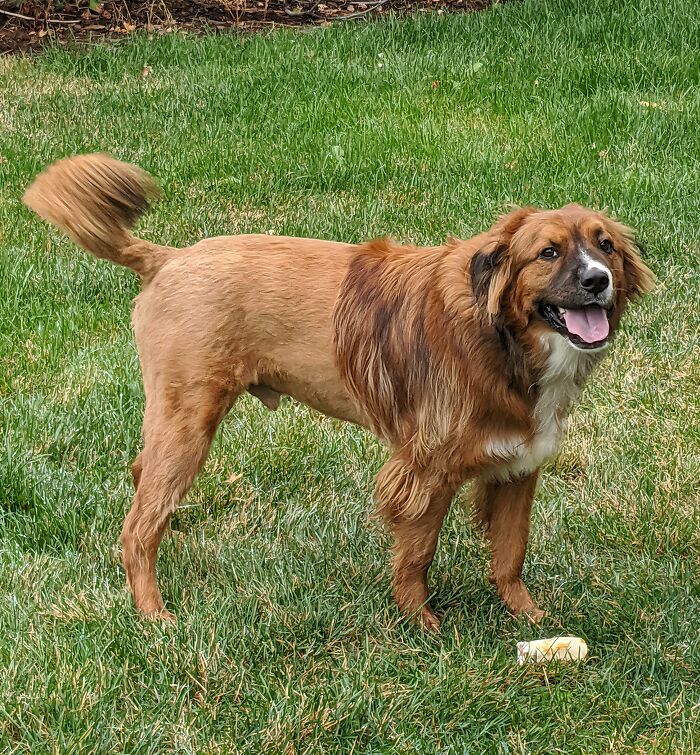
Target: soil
x,y
27,25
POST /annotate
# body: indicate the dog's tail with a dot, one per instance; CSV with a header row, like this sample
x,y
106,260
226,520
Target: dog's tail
x,y
96,200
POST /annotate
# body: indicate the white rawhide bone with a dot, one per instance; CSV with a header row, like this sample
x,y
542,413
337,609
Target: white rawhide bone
x,y
555,648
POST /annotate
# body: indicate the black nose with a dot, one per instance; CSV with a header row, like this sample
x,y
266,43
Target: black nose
x,y
595,280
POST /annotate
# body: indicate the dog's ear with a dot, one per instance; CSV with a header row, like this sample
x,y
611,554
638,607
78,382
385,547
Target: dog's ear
x,y
483,267
639,279
491,267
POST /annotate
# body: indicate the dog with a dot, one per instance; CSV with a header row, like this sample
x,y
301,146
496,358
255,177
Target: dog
x,y
465,359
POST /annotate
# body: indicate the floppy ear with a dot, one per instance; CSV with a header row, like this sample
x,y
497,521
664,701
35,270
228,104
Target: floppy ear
x,y
639,279
491,267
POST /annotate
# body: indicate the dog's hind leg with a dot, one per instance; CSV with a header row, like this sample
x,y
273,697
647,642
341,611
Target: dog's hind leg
x,y
414,507
136,470
178,431
504,510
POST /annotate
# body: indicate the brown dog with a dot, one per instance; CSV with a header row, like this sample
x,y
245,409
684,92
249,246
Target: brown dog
x,y
464,358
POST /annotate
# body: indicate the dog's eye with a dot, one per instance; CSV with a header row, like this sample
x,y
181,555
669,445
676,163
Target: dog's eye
x,y
606,245
550,253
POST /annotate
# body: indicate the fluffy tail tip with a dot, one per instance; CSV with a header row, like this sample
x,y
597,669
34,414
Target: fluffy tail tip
x,y
94,199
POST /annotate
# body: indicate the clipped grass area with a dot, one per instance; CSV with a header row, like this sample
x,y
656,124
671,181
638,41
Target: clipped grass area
x,y
287,640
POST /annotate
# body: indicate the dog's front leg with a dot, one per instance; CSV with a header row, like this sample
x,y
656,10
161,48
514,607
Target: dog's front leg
x,y
504,510
414,506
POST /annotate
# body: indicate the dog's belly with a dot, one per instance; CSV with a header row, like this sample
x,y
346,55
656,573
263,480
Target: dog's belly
x,y
326,396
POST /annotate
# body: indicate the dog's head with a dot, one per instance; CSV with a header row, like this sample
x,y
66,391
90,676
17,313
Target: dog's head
x,y
570,271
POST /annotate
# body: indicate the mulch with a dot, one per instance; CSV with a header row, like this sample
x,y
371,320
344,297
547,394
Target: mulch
x,y
27,25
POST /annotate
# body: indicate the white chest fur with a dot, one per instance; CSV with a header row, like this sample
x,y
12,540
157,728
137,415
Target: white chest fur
x,y
558,389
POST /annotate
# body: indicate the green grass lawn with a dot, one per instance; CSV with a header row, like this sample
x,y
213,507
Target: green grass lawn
x,y
287,639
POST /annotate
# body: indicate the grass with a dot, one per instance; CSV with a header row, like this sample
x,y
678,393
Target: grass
x,y
287,640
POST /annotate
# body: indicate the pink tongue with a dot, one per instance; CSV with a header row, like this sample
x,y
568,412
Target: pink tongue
x,y
590,324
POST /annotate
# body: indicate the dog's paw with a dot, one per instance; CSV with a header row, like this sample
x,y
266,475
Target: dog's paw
x,y
162,615
429,621
518,601
534,615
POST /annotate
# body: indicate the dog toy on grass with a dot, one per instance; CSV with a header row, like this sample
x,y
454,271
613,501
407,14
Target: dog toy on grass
x,y
555,648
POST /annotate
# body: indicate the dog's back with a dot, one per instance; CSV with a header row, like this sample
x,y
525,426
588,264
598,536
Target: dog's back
x,y
255,307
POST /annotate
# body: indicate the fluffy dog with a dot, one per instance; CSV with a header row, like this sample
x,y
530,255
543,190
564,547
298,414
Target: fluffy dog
x,y
464,358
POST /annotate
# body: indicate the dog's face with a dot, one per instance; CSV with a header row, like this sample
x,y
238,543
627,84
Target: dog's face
x,y
570,271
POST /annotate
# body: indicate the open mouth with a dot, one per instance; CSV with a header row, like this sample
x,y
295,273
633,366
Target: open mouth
x,y
587,327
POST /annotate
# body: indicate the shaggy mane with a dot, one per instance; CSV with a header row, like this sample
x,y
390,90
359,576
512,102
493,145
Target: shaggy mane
x,y
384,325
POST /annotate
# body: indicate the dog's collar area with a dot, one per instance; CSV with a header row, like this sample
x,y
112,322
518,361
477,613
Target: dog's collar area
x,y
590,321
